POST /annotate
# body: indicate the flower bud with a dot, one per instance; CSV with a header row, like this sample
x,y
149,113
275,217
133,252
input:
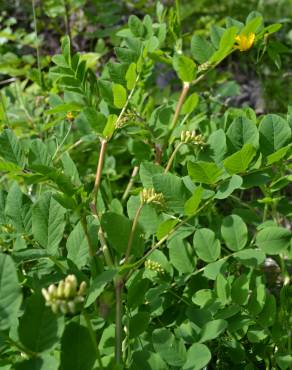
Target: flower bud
x,y
65,298
148,196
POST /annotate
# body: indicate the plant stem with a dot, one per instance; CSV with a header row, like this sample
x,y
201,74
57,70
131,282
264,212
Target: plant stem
x,y
130,184
102,240
67,18
99,169
104,247
183,94
132,233
118,329
177,10
169,163
37,45
93,339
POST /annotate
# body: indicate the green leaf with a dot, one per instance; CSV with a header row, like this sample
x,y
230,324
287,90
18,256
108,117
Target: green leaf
x,y
212,270
252,26
138,324
268,314
136,26
212,330
206,245
193,203
284,361
48,222
240,290
136,291
184,67
190,104
257,299
148,219
278,155
66,49
198,356
216,34
117,72
10,148
165,227
234,232
98,284
273,239
119,235
10,292
239,161
62,181
120,95
39,154
173,190
77,350
131,76
147,171
181,256
225,45
242,131
201,49
171,349
65,108
77,246
95,119
9,167
145,360
216,148
222,289
250,257
204,172
70,169
110,126
39,328
227,187
18,209
274,134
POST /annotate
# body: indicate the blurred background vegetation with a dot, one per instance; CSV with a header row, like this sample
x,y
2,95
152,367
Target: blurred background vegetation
x,y
93,24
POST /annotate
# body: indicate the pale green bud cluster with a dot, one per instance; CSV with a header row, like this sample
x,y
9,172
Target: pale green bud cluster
x,y
148,196
203,67
154,266
65,297
191,137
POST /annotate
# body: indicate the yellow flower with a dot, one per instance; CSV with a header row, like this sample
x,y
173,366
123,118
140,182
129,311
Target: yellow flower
x,y
245,42
69,116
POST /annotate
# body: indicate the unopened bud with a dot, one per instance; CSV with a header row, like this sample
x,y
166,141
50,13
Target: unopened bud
x,y
65,298
191,137
148,196
154,266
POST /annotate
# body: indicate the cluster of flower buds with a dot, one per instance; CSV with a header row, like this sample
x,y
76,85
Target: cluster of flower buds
x,y
191,137
154,266
70,116
203,67
148,196
65,297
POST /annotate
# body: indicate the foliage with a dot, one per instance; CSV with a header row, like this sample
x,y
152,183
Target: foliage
x,y
144,224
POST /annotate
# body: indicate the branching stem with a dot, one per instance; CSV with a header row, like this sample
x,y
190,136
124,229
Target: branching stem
x,y
99,169
131,182
169,163
132,233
